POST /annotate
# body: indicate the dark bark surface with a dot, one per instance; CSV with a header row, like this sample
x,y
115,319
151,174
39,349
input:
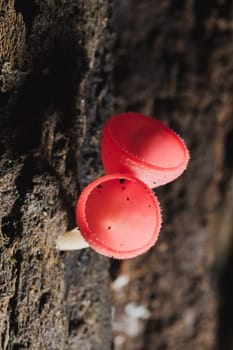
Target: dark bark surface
x,y
174,62
55,75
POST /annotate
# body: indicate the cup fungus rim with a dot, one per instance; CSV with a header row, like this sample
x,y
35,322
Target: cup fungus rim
x,y
108,130
99,245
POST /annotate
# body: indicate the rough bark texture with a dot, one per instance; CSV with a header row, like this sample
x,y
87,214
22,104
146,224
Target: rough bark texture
x,y
55,75
174,61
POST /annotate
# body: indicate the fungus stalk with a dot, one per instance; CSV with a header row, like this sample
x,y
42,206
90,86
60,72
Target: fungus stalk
x,y
71,240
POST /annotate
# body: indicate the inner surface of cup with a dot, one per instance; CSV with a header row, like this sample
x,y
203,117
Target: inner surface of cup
x,y
147,139
122,214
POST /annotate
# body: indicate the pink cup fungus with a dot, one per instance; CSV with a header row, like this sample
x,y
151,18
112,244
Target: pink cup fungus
x,y
118,216
143,147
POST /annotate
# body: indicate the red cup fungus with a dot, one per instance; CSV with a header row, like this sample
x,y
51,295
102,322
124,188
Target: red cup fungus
x,y
143,147
118,216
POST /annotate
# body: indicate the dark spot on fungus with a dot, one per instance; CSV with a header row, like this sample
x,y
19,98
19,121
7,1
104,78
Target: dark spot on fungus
x,y
122,181
109,227
123,188
127,198
99,186
149,205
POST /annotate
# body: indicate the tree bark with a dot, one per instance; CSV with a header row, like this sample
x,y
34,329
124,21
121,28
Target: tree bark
x,y
55,77
172,61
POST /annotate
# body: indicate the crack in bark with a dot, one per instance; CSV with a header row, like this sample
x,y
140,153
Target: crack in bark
x,y
11,224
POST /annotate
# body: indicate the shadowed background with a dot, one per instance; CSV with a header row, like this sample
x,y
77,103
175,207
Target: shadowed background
x,y
173,60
